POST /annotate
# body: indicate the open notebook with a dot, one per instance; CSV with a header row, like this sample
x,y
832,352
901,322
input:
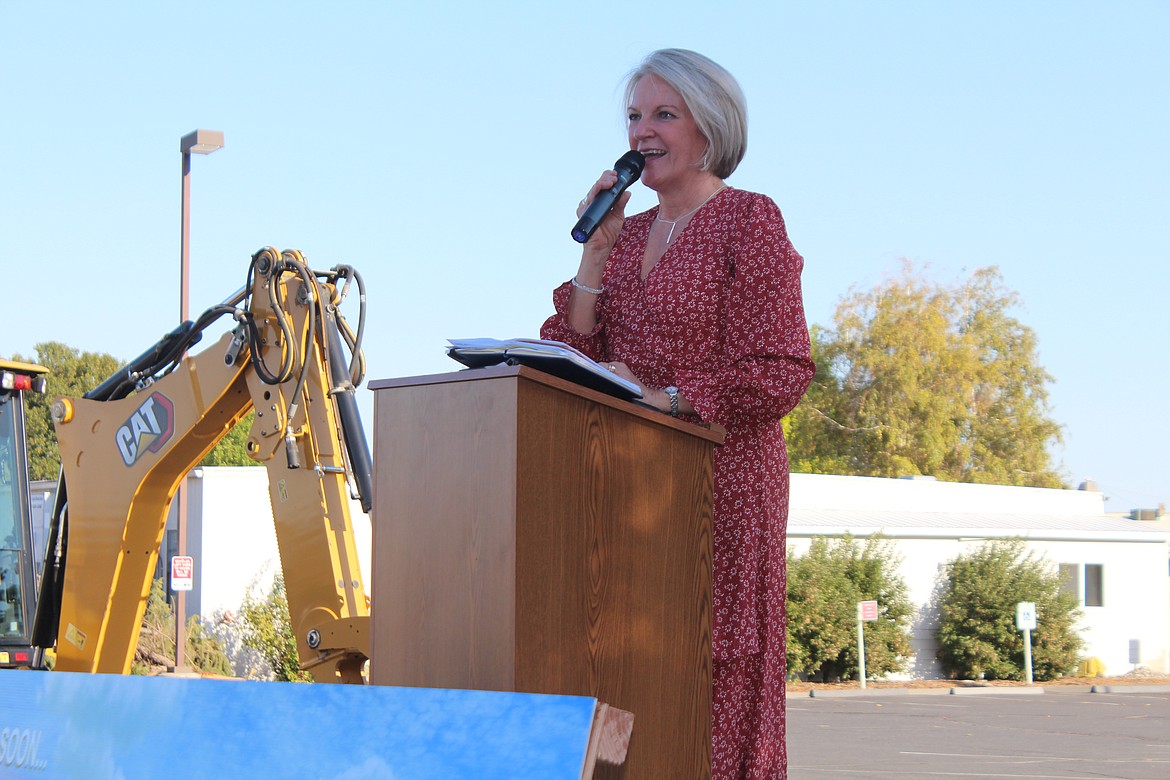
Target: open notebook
x,y
552,357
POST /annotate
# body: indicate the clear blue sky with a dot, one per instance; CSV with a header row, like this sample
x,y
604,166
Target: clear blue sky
x,y
441,148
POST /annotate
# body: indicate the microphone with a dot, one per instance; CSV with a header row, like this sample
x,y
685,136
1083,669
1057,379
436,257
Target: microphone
x,y
628,167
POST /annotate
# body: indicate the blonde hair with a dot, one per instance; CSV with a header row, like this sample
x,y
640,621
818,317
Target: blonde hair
x,y
713,97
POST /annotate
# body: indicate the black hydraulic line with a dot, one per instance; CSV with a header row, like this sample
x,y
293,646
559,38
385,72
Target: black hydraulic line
x,y
294,260
351,420
267,262
124,380
163,355
357,364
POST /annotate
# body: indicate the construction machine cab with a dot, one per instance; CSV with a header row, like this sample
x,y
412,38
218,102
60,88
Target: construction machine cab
x,y
17,575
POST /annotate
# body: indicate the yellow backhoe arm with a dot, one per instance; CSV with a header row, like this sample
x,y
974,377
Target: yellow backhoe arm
x,y
123,459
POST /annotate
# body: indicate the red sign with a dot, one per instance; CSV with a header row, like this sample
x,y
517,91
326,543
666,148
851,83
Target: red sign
x,y
182,572
867,610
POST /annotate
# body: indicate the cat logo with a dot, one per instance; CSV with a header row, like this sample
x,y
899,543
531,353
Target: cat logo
x,y
148,429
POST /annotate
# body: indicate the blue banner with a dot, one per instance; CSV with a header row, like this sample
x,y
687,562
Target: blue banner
x,y
99,727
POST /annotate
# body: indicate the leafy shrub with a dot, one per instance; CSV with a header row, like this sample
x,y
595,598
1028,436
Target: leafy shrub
x,y
977,635
824,586
267,629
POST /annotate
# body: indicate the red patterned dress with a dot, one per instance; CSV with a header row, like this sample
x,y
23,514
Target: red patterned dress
x,y
720,315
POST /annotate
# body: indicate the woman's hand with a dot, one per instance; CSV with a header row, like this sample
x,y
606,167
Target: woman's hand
x,y
651,396
600,244
582,312
622,370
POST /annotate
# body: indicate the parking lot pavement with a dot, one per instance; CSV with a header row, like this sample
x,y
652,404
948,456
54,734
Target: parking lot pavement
x,y
1060,734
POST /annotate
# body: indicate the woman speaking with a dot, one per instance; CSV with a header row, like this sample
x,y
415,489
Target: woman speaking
x,y
698,302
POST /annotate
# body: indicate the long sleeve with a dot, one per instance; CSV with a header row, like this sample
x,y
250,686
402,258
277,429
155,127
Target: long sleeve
x,y
557,327
767,366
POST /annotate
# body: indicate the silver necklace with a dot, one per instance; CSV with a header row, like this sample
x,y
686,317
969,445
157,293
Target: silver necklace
x,y
681,217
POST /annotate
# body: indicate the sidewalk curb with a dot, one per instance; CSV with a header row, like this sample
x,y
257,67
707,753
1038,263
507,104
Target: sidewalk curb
x,y
1130,689
981,690
849,692
990,690
873,691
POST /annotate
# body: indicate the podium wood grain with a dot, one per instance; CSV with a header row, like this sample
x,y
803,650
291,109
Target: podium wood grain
x,y
532,535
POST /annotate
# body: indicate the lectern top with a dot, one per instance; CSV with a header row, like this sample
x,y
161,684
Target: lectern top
x,y
709,431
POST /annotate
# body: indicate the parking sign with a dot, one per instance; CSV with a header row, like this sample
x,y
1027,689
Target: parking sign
x,y
1026,616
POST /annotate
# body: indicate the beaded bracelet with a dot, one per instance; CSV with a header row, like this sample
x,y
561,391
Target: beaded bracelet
x,y
586,288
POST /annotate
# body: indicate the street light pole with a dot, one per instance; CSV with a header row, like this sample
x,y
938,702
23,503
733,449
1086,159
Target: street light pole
x,y
197,142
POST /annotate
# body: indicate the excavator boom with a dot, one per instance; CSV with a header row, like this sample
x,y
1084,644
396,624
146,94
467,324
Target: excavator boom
x,y
127,445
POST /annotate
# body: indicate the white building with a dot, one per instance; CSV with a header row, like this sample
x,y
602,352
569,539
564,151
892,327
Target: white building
x,y
1118,566
230,535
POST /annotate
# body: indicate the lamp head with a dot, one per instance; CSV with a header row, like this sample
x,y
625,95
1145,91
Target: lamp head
x,y
201,141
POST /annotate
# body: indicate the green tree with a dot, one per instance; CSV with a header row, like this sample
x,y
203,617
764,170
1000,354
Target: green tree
x,y
977,635
204,651
156,641
824,586
267,628
74,373
922,378
232,449
71,373
817,442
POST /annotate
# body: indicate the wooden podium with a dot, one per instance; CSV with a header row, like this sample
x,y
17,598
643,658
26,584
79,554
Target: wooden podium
x,y
532,535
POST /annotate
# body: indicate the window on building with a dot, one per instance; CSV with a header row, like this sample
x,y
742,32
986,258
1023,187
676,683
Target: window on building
x,y
1070,579
1088,588
1094,585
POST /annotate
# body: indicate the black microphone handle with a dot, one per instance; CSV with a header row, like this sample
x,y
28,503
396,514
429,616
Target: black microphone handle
x,y
628,169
